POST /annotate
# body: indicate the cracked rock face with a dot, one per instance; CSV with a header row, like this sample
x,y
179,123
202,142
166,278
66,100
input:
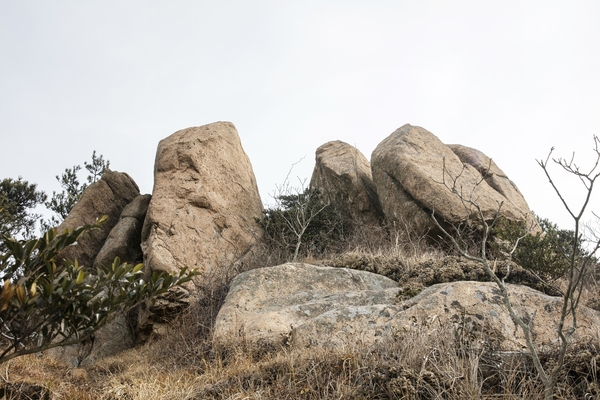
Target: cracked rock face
x,y
124,240
306,305
410,168
204,202
108,196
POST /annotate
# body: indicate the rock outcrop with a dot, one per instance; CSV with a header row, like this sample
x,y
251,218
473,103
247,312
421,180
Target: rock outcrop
x,y
122,241
202,214
342,175
204,203
108,196
412,169
482,304
322,306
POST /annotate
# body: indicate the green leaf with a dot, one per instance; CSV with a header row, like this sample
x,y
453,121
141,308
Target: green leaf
x,y
80,277
137,268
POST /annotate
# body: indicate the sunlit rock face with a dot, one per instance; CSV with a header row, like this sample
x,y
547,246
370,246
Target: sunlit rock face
x,y
269,304
415,172
307,305
108,196
203,208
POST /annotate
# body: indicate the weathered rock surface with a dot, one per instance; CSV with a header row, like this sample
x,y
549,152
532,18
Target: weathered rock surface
x,y
482,303
108,196
268,303
117,196
494,177
342,174
409,168
124,240
325,306
204,204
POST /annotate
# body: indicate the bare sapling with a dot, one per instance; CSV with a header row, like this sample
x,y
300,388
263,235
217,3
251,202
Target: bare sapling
x,y
579,260
299,206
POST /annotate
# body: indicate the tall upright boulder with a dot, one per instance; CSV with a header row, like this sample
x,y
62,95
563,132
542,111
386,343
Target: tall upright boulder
x,y
204,203
414,173
108,196
343,176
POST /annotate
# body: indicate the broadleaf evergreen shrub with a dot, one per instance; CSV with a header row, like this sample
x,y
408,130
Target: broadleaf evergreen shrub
x,y
45,303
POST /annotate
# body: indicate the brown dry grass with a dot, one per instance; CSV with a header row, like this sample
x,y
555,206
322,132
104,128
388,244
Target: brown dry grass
x,y
427,361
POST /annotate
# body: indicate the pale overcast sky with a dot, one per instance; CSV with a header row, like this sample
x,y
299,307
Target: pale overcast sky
x,y
510,78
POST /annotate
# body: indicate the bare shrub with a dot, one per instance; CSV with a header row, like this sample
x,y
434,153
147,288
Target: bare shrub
x,y
578,261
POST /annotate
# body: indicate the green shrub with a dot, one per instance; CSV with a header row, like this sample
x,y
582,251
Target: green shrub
x,y
547,253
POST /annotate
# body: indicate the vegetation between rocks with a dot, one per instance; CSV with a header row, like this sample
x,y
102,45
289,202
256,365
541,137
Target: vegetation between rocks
x,y
430,359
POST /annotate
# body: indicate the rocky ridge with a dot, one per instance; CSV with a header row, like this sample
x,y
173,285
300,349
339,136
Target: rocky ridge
x,y
202,214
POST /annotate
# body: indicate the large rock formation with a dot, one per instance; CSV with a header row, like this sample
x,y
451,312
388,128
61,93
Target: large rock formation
x,y
415,173
204,203
108,196
342,174
322,306
117,196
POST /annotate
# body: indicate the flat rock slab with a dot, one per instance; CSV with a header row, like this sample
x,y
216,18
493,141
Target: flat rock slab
x,y
268,303
480,305
308,305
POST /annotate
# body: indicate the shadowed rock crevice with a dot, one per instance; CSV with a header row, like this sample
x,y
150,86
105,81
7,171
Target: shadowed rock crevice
x,y
124,240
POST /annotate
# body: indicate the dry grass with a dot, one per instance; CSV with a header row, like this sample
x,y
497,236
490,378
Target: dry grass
x,y
427,361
